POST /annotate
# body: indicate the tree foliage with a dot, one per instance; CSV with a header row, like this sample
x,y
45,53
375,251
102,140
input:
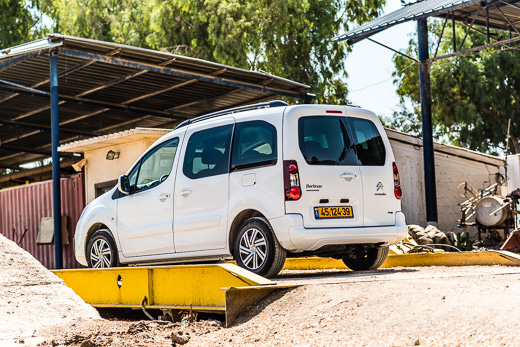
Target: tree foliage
x,y
18,24
288,38
473,96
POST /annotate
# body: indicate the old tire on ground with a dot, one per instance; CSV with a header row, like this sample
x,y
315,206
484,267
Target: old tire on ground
x,y
102,250
365,258
257,249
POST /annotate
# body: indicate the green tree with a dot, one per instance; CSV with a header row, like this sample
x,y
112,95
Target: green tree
x,y
18,24
473,96
288,38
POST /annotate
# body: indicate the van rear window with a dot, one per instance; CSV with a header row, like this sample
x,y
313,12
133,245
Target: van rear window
x,y
325,141
369,144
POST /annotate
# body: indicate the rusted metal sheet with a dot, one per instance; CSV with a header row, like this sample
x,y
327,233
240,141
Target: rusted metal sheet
x,y
22,209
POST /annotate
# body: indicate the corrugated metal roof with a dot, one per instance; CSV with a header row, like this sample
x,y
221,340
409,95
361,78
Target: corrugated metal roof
x,y
462,10
115,138
106,87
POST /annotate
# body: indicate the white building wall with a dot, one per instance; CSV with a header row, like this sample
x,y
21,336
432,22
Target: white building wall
x,y
453,165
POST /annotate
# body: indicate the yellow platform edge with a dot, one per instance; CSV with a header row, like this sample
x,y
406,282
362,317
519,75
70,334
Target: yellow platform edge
x,y
414,260
202,288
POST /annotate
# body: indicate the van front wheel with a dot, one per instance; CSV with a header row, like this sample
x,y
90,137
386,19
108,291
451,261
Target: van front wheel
x,y
257,249
365,258
101,250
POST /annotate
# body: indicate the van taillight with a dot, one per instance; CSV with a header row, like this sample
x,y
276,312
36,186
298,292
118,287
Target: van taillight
x,y
291,180
397,182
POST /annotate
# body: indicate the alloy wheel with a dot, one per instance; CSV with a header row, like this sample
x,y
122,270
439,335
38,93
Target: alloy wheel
x,y
253,248
100,254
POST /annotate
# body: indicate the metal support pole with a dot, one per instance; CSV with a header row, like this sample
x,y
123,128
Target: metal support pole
x,y
55,136
427,125
487,25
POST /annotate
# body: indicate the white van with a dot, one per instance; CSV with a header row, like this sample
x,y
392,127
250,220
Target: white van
x,y
256,184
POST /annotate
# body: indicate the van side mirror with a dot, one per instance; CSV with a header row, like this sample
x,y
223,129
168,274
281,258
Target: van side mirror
x,y
123,184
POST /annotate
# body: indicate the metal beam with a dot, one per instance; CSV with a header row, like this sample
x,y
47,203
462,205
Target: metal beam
x,y
393,50
181,73
63,73
18,59
17,88
427,124
476,49
34,172
507,19
33,151
44,128
55,137
121,79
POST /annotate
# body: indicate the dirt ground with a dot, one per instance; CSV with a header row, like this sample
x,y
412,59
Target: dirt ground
x,y
437,306
31,297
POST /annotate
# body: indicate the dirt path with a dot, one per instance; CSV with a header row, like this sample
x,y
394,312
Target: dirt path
x,y
467,306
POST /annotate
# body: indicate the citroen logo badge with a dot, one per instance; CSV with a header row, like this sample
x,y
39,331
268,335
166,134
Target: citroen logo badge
x,y
379,186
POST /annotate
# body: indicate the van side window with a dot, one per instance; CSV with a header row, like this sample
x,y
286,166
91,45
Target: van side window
x,y
369,144
207,153
324,140
254,144
155,167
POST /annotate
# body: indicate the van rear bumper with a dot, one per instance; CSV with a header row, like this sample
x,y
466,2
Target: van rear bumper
x,y
306,239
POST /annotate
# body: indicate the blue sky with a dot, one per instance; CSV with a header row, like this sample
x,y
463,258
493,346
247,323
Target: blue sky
x,y
370,67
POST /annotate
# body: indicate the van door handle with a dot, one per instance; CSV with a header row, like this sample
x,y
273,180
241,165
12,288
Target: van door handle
x,y
163,197
185,192
348,176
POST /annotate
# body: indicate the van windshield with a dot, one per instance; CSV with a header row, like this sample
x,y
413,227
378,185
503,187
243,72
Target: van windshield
x,y
325,141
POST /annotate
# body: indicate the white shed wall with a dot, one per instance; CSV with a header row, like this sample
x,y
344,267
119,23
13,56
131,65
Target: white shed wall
x,y
452,166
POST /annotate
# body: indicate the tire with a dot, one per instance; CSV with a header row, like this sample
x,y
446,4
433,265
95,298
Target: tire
x,y
365,258
249,255
102,250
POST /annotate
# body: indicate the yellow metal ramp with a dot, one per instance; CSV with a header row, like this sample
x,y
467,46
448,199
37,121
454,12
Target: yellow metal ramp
x,y
220,288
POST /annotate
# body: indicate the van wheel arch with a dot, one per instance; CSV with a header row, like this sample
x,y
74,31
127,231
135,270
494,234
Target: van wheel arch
x,y
237,223
93,228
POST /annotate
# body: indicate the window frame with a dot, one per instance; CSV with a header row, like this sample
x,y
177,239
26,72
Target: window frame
x,y
193,176
262,163
133,188
357,143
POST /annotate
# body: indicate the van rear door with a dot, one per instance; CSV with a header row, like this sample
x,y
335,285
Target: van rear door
x,y
330,178
375,160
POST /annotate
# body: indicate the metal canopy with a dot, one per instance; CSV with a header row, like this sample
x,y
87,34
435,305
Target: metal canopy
x,y
494,14
106,87
503,15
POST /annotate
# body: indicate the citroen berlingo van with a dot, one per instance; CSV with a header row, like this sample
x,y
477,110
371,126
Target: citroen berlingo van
x,y
256,184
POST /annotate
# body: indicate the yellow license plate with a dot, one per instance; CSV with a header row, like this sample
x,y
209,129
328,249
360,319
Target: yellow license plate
x,y
333,212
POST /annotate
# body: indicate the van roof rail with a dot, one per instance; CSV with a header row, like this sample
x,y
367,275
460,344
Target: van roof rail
x,y
275,103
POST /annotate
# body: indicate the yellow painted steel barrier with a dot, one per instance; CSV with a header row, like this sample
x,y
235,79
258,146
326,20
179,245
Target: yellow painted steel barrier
x,y
415,259
222,288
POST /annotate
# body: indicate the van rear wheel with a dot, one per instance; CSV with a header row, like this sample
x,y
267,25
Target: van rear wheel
x,y
257,249
365,258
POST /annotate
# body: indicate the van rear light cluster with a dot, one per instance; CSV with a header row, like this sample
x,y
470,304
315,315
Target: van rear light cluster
x,y
291,180
397,182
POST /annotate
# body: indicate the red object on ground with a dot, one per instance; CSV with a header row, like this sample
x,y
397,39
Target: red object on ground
x,y
513,241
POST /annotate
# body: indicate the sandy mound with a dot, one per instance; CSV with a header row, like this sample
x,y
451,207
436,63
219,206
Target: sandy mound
x,y
32,297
